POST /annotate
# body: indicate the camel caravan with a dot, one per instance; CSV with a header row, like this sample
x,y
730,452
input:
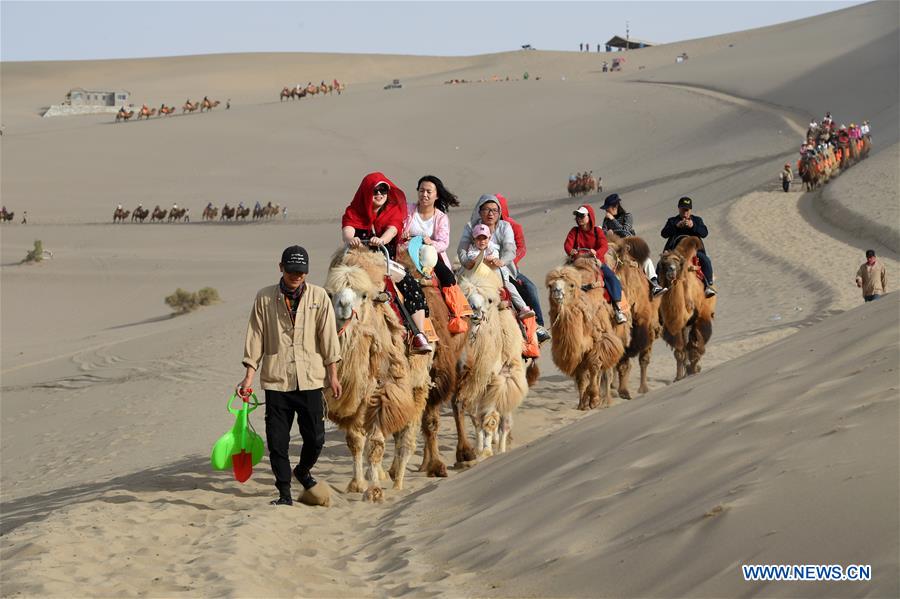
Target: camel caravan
x,y
298,91
210,213
831,148
165,110
6,216
584,183
157,215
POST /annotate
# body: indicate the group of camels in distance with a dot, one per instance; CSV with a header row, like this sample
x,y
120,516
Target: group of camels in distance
x,y
828,150
210,213
584,183
298,91
145,112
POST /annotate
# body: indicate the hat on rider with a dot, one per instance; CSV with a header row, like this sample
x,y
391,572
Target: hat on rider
x,y
685,202
582,211
480,230
611,200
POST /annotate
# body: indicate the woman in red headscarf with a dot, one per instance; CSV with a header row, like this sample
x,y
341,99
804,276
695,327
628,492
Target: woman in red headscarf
x,y
374,218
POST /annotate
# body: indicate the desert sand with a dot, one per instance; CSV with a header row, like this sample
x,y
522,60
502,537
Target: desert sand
x,y
785,449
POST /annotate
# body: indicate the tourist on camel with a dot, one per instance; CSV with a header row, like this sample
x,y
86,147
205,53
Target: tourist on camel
x,y
484,248
586,235
688,224
527,289
620,222
374,218
428,219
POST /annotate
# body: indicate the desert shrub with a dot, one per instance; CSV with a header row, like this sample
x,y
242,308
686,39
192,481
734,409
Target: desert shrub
x,y
207,296
36,254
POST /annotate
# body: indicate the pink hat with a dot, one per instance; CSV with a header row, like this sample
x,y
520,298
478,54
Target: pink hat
x,y
479,230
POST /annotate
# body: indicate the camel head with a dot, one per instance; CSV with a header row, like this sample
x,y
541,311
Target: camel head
x,y
564,284
678,261
482,289
351,291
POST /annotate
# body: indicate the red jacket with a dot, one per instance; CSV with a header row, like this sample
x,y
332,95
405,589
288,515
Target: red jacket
x,y
360,214
518,231
594,239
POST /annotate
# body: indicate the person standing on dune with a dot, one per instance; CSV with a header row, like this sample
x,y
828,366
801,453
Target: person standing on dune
x,y
292,340
871,277
786,177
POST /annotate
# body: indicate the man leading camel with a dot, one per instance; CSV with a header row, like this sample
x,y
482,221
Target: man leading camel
x,y
689,224
292,340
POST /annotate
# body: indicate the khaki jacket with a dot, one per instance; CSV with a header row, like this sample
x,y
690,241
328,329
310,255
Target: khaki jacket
x,y
872,279
290,357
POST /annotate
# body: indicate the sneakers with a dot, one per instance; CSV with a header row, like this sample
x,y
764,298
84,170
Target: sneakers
x,y
282,501
655,288
304,478
525,312
709,291
620,317
542,335
420,345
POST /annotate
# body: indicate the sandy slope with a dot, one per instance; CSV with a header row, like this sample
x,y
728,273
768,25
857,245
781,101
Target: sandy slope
x,y
109,407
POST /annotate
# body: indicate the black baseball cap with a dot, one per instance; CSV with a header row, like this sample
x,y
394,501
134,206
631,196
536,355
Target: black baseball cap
x,y
295,259
870,253
685,202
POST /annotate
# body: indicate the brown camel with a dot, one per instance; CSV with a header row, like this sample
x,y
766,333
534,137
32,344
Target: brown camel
x,y
227,212
120,214
384,389
210,213
493,381
586,342
286,94
208,104
687,314
190,106
626,257
158,215
444,380
146,113
124,115
166,110
140,214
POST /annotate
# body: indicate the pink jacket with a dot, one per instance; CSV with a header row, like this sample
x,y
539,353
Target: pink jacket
x,y
441,237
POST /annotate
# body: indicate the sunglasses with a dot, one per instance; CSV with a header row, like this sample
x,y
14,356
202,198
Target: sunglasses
x,y
382,191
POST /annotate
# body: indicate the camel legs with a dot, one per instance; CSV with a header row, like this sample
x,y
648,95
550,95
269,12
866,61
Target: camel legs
x,y
488,424
356,438
604,389
405,446
374,454
505,428
432,464
583,378
464,452
644,359
624,369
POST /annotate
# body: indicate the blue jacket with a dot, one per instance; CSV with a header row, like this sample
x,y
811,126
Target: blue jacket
x,y
670,232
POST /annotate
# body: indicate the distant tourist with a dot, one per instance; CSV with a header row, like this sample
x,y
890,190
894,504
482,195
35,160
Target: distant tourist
x,y
228,104
581,47
25,217
871,277
786,177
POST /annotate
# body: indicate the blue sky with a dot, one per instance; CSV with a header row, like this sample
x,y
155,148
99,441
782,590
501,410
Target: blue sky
x,y
31,30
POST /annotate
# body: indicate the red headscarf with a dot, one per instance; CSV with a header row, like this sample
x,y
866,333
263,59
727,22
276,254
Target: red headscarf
x,y
360,214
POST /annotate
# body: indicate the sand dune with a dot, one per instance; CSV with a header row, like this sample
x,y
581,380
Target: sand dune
x,y
783,450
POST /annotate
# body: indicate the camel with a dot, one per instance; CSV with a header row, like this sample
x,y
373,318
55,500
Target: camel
x,y
166,110
241,213
177,214
146,113
384,391
208,104
583,184
119,215
158,215
124,115
190,107
140,214
227,212
311,89
586,342
286,94
492,375
6,216
210,213
447,353
810,172
626,257
686,313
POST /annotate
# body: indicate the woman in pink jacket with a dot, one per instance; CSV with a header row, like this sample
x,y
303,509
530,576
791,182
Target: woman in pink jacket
x,y
428,219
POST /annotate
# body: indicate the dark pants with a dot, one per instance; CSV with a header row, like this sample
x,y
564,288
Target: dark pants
x,y
445,276
785,185
612,284
281,406
705,266
529,293
871,298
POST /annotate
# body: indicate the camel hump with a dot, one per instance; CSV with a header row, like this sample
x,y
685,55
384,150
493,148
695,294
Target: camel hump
x,y
637,249
689,245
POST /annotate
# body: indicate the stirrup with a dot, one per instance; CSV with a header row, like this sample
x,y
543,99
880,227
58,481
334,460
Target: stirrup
x,y
382,297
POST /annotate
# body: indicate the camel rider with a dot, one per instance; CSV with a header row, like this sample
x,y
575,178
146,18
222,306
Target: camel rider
x,y
118,206
572,178
691,225
374,218
527,289
864,129
620,222
586,235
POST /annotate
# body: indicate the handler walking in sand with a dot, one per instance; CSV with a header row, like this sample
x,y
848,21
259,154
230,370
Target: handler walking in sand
x,y
292,340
